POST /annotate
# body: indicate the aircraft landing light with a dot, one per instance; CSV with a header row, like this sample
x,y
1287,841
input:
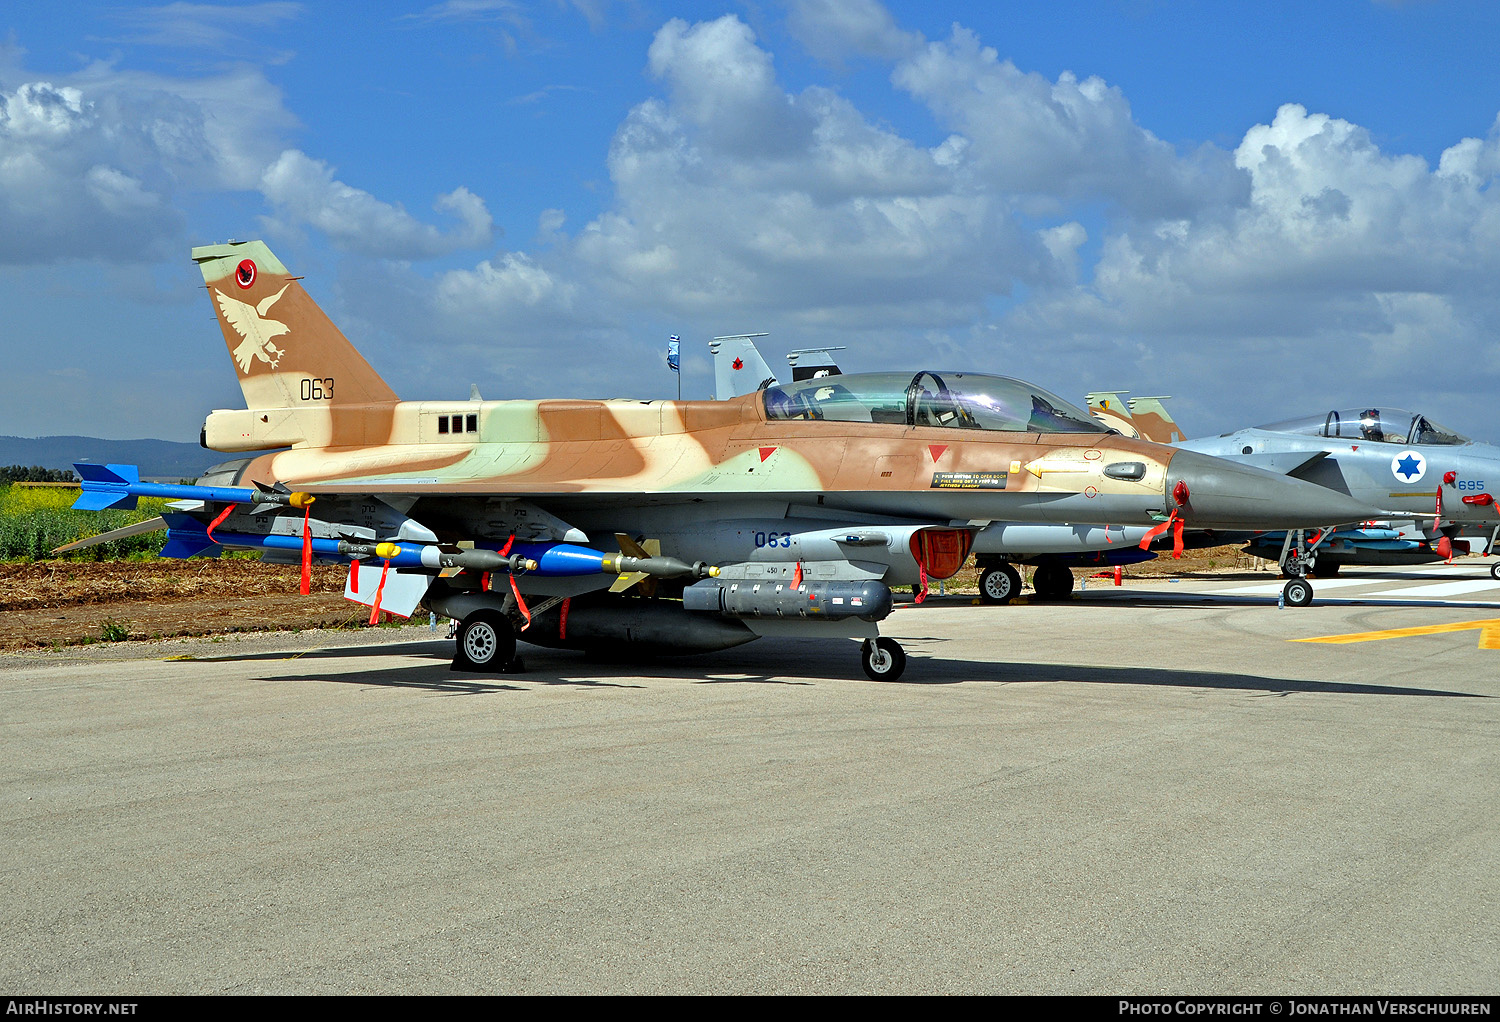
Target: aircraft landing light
x,y
1488,628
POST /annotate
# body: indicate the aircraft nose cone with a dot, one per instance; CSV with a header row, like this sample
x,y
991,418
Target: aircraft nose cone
x,y
1225,495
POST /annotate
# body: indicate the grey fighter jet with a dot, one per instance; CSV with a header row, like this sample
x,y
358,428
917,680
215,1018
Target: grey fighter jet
x,y
1436,483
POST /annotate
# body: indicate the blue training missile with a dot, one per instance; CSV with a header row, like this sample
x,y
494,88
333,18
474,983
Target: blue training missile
x,y
118,486
187,536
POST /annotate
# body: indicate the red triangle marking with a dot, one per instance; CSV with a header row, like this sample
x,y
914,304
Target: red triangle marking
x,y
937,450
766,452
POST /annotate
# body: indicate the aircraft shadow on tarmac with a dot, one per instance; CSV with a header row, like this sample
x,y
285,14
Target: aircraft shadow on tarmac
x,y
797,662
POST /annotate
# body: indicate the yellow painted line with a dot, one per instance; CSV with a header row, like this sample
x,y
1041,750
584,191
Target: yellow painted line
x,y
1488,628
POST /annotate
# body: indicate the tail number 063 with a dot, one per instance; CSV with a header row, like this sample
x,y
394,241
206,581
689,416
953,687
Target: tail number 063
x,y
314,389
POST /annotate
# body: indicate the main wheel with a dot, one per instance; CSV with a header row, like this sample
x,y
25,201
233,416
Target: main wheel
x,y
999,583
1052,581
1495,570
883,659
486,642
1298,592
1328,569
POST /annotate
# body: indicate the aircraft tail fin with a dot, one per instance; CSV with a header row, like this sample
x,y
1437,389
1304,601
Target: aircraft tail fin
x,y
811,363
287,352
739,368
1154,421
1112,411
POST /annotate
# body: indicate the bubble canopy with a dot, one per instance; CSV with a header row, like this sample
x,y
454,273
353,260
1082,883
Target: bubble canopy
x,y
948,400
1372,425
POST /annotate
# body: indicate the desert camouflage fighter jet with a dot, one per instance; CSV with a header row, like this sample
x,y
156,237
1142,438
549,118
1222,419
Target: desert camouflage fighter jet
x,y
629,526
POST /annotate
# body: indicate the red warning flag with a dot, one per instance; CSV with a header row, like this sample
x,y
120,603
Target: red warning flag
x,y
520,603
1173,522
379,592
219,520
307,550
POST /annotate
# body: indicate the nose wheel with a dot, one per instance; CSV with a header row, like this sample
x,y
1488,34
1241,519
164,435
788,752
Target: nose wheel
x,y
883,659
1297,593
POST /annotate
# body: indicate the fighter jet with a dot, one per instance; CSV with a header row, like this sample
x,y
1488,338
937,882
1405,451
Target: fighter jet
x,y
1437,479
1383,456
630,526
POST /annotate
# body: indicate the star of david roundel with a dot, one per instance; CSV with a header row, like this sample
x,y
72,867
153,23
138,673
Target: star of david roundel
x,y
1409,466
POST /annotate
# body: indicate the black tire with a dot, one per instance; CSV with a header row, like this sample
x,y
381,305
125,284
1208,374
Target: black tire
x,y
486,643
999,583
1052,582
1297,593
1495,570
1327,569
883,659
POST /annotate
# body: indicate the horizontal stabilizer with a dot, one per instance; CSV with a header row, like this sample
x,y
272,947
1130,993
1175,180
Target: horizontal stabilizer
x,y
137,529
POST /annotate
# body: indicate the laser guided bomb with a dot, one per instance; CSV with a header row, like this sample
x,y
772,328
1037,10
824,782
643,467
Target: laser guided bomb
x,y
836,488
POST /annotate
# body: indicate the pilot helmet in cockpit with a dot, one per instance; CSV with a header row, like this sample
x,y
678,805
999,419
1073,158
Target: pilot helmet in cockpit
x,y
1369,425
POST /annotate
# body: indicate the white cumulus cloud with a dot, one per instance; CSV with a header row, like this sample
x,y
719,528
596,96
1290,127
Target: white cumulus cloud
x,y
303,190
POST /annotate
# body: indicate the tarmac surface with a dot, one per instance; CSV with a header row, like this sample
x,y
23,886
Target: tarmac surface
x,y
1144,790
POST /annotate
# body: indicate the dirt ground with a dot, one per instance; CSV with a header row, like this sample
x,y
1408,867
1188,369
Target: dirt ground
x,y
65,603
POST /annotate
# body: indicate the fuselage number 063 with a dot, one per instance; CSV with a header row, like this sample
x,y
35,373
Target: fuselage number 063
x,y
314,389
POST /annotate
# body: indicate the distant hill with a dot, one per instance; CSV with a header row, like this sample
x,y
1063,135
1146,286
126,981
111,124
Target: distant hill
x,y
157,459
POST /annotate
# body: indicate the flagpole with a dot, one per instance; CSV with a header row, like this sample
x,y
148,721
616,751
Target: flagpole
x,y
674,361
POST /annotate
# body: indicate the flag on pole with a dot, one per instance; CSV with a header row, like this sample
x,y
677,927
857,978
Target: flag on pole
x,y
674,350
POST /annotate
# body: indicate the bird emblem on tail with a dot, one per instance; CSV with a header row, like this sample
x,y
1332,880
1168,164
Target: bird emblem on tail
x,y
250,323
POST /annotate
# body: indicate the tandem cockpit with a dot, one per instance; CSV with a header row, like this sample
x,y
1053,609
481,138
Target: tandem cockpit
x,y
1373,425
949,400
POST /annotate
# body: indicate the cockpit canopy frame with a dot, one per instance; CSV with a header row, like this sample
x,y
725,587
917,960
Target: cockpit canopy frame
x,y
1373,425
949,400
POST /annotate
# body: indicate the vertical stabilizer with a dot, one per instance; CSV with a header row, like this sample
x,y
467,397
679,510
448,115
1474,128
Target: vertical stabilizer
x,y
1154,421
287,353
1111,410
738,366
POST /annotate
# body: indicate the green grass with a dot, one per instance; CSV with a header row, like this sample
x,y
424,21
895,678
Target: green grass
x,y
33,521
114,631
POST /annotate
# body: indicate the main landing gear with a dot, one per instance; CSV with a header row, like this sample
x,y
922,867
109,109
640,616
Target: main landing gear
x,y
999,583
1052,582
883,659
486,643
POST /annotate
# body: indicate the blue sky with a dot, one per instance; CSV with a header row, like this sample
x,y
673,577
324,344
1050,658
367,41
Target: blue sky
x,y
1263,209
